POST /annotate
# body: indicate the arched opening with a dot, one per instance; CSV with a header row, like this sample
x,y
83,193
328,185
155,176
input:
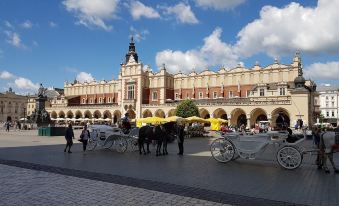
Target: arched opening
x,y
131,114
147,113
257,115
61,114
220,113
78,114
54,115
107,114
97,114
88,114
116,116
280,117
172,112
238,117
159,113
204,113
69,114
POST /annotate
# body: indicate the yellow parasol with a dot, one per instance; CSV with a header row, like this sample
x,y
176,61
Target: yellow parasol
x,y
196,119
174,119
150,120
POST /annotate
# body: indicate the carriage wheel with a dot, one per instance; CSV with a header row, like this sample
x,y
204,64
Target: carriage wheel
x,y
133,143
108,145
91,144
222,150
289,157
120,144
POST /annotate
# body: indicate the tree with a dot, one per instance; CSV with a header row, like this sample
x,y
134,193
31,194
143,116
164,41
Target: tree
x,y
187,108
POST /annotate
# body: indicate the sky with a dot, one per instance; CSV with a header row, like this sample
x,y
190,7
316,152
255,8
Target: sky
x,y
54,41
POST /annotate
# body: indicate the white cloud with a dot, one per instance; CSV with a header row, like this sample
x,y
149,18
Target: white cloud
x,y
14,39
139,10
183,13
138,35
9,25
219,4
84,77
93,13
6,75
27,24
26,84
52,24
294,27
214,52
323,71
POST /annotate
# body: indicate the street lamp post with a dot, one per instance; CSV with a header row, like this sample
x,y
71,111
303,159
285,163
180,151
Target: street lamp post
x,y
24,117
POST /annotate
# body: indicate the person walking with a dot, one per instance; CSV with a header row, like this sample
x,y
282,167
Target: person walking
x,y
7,125
69,136
180,137
84,137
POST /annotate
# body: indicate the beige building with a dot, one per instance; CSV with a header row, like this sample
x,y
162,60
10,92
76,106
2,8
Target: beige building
x,y
241,95
12,106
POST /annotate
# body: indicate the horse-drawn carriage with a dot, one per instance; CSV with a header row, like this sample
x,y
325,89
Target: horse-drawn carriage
x,y
108,137
233,145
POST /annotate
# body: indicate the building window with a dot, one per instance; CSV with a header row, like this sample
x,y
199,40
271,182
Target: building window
x,y
332,113
332,104
327,114
155,96
262,92
201,96
215,95
176,96
326,97
326,104
100,100
230,94
91,101
130,91
109,99
248,93
282,91
332,97
83,100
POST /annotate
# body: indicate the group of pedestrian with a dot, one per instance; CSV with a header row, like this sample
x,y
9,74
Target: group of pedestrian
x,y
69,136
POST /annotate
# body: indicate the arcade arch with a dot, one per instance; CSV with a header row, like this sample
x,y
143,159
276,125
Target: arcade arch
x,y
116,116
62,114
159,113
107,114
87,114
257,115
54,115
78,114
131,114
238,117
204,113
172,112
147,113
69,114
220,113
284,113
97,114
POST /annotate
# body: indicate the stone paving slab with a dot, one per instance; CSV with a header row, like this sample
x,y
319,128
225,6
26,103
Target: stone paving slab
x,y
34,180
34,187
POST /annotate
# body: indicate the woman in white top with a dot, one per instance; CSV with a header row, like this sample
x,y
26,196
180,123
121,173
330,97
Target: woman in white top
x,y
84,137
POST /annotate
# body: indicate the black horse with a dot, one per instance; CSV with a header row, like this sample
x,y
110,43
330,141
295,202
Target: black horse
x,y
158,134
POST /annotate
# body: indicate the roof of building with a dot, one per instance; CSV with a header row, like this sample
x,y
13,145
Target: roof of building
x,y
327,87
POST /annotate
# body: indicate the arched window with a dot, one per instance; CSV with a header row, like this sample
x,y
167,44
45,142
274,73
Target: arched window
x,y
109,99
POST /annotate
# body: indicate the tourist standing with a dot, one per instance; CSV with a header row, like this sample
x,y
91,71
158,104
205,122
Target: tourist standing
x,y
84,137
180,137
69,136
7,125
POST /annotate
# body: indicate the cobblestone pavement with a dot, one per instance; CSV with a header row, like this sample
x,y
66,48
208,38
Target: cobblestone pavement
x,y
241,182
29,187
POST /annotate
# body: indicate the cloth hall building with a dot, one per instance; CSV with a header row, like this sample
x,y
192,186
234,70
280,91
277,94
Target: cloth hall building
x,y
240,95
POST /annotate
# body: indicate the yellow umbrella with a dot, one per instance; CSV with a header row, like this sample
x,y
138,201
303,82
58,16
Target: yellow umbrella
x,y
196,119
174,119
215,124
151,120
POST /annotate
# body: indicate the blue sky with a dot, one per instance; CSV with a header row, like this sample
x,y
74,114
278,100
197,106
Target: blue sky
x,y
53,41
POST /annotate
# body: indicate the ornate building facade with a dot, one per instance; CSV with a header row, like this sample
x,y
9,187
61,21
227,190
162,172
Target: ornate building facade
x,y
240,95
12,106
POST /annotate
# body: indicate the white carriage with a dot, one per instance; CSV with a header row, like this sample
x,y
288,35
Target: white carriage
x,y
233,145
107,137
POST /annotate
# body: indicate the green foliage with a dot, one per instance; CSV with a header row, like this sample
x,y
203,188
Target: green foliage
x,y
187,108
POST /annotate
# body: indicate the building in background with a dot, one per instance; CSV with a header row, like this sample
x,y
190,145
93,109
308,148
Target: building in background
x,y
12,106
240,95
329,106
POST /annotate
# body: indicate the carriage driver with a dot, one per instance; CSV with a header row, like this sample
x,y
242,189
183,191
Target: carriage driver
x,y
126,125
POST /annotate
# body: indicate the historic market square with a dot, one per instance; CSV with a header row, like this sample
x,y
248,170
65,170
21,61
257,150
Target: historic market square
x,y
111,102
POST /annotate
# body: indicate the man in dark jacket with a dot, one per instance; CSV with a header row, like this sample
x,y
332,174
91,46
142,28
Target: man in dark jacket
x,y
180,136
69,136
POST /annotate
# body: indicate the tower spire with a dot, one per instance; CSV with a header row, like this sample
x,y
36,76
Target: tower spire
x,y
131,51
